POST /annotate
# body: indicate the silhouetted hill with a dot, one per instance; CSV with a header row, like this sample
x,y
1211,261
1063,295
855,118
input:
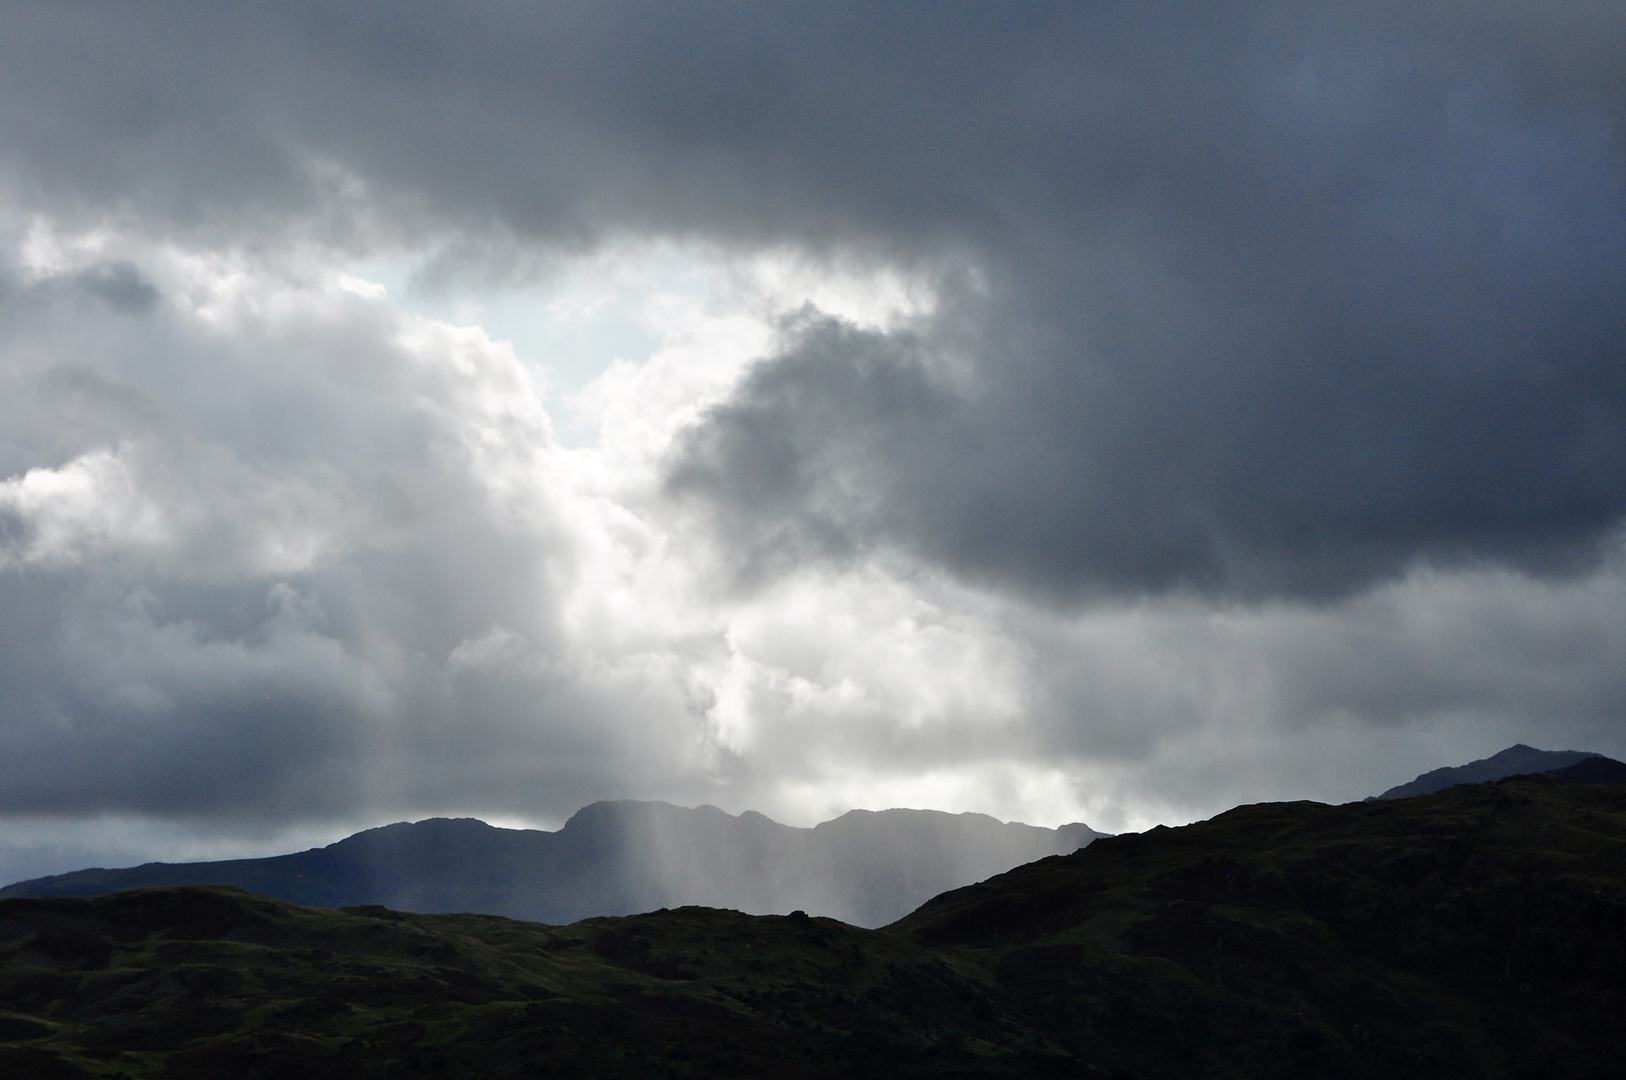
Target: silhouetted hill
x,y
616,858
1592,770
1478,932
1516,760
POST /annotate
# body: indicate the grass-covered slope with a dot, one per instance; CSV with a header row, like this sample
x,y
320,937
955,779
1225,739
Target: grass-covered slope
x,y
212,982
1477,932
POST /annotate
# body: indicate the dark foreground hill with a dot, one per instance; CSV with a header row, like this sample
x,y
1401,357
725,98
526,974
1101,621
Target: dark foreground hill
x,y
1516,760
616,858
1478,932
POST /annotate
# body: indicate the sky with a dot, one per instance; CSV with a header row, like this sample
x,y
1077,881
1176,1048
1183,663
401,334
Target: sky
x,y
1067,412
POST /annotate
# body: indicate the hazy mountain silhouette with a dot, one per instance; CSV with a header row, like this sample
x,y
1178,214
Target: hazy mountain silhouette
x,y
1516,760
616,858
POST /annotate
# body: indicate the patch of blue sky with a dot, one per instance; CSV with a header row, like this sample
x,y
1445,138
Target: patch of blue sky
x,y
571,323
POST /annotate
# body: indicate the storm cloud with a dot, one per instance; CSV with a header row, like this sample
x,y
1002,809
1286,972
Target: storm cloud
x,y
1262,299
1165,405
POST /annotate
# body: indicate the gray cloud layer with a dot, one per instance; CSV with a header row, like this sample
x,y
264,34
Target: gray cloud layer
x,y
1250,319
1275,298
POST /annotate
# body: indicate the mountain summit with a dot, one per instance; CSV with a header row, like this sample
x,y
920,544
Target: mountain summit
x,y
616,858
1516,760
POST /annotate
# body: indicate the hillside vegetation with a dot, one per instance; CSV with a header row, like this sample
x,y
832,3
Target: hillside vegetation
x,y
1477,932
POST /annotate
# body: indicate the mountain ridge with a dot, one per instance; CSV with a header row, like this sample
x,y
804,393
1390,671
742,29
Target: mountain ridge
x,y
619,857
1516,760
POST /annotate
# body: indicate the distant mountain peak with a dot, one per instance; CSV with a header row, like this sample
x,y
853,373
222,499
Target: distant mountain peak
x,y
619,857
1516,760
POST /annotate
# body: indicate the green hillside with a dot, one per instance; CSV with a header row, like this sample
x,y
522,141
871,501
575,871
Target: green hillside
x,y
1477,932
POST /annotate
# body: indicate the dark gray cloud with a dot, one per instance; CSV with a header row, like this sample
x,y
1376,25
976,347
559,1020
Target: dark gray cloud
x,y
1277,298
1286,319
